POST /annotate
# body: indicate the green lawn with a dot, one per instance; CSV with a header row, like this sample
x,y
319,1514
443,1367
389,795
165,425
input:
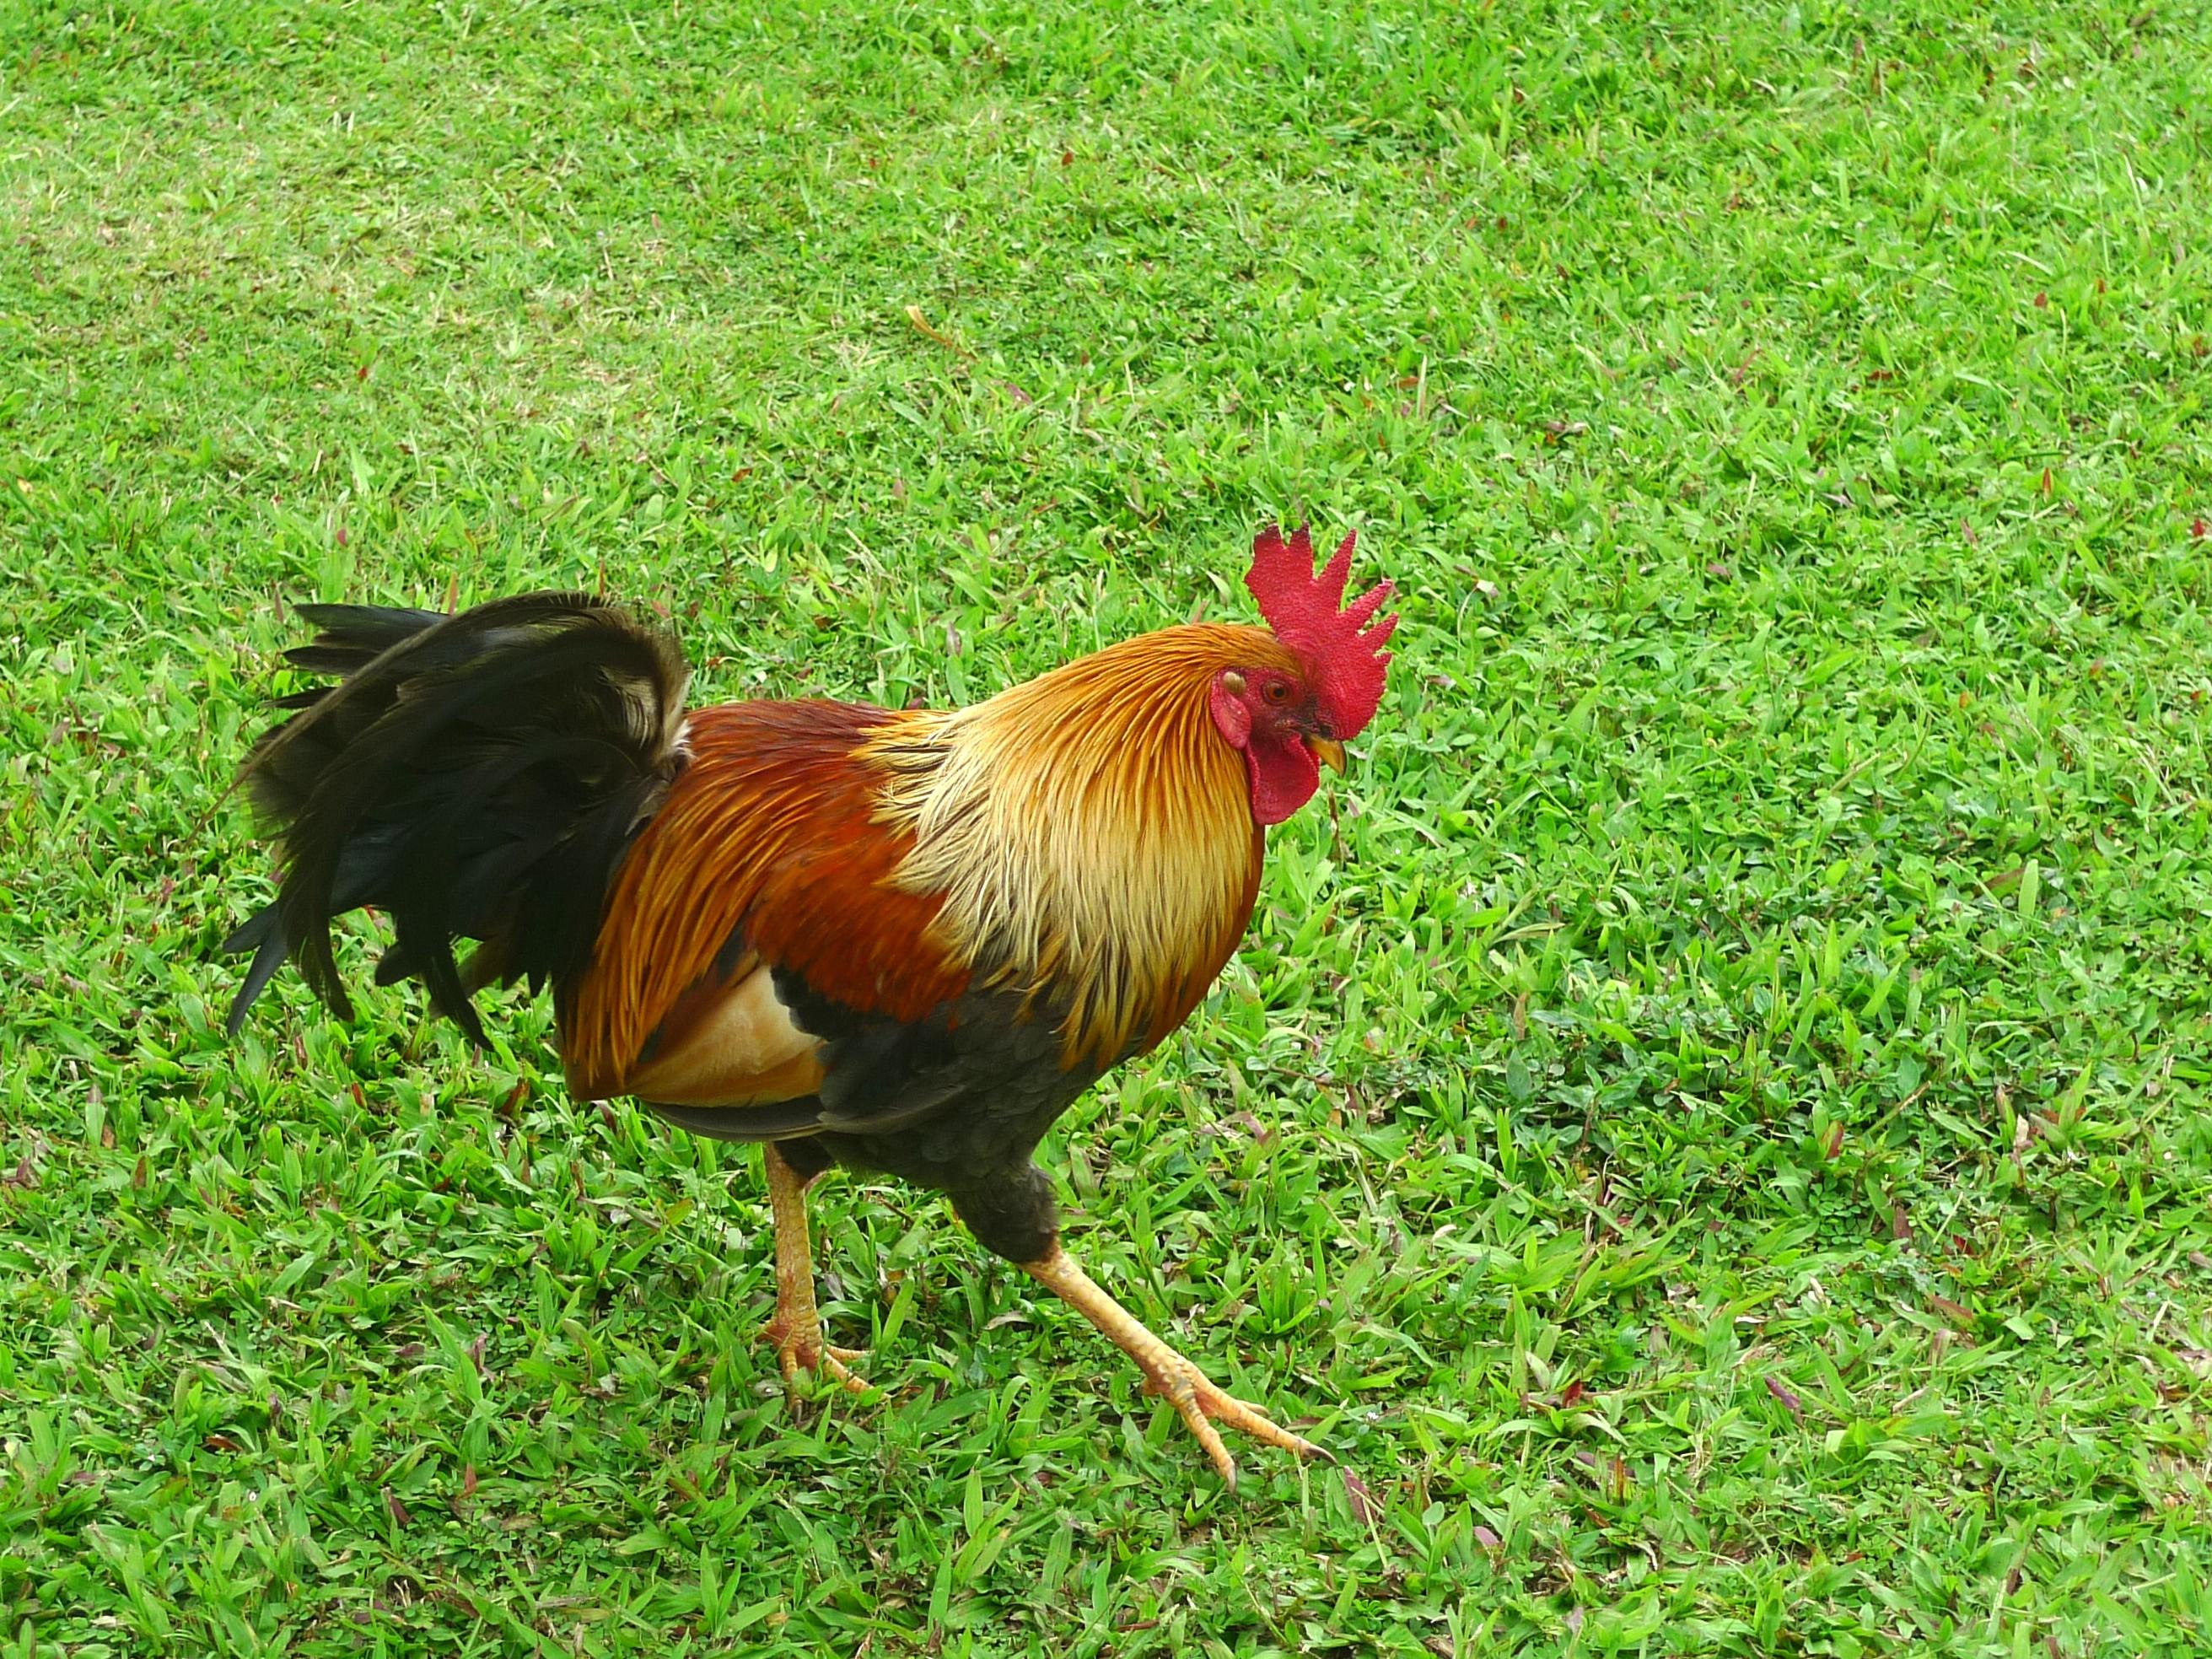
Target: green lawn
x,y
1710,1124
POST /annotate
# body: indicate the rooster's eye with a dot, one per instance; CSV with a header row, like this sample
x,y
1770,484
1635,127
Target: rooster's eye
x,y
1277,692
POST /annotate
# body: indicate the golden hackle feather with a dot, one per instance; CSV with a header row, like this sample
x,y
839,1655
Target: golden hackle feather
x,y
1090,831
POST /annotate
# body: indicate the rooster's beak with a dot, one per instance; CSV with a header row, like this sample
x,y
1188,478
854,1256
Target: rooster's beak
x,y
1328,750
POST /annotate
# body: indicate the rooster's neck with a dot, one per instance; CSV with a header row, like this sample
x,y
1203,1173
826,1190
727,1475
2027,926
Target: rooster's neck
x,y
1092,834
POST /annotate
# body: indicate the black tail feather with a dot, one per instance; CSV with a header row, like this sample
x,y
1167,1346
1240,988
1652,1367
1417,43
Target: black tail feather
x,y
264,935
476,777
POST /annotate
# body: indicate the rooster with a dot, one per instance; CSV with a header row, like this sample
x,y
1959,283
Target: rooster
x,y
901,942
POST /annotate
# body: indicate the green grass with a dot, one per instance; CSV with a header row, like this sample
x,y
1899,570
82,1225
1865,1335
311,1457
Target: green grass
x,y
1710,1121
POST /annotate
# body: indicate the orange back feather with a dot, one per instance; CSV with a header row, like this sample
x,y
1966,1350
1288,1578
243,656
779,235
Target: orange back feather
x,y
769,827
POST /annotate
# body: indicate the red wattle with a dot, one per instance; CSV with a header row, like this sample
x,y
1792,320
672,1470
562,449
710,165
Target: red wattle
x,y
1283,774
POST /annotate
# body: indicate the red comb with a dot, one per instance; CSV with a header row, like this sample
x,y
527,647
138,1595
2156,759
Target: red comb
x,y
1342,652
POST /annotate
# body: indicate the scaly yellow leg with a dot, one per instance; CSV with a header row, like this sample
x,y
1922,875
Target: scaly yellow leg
x,y
1201,1402
796,1330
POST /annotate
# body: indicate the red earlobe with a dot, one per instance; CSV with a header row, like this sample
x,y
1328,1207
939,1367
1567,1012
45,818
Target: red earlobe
x,y
1230,718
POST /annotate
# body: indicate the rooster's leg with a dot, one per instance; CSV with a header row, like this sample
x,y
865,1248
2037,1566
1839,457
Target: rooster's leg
x,y
1201,1402
796,1330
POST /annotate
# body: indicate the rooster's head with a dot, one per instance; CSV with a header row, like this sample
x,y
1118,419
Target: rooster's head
x,y
1287,721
